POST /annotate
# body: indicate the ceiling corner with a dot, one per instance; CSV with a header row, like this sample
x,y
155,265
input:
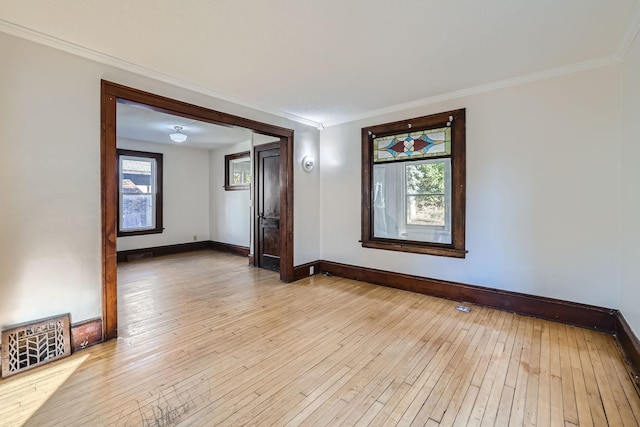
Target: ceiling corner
x,y
630,33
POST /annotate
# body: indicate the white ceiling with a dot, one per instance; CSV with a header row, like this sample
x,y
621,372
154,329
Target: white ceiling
x,y
332,61
143,124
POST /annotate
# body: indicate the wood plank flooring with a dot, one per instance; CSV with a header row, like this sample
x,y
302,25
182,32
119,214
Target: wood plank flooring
x,y
207,340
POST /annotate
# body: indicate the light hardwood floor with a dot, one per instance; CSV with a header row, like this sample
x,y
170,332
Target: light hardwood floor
x,y
207,340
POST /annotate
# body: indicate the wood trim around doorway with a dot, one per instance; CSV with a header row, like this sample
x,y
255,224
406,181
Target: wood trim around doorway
x,y
111,93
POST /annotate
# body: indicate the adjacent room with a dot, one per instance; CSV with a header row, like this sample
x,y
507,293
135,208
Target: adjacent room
x,y
193,198
331,213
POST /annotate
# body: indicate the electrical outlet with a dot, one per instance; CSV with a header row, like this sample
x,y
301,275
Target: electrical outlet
x,y
463,308
311,270
195,237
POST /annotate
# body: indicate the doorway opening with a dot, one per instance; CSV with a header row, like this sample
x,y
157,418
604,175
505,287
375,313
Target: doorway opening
x,y
113,93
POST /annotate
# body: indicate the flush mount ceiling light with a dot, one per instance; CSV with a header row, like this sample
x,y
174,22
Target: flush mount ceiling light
x,y
178,136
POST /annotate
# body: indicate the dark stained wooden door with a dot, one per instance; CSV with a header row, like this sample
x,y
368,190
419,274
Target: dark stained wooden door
x,y
268,206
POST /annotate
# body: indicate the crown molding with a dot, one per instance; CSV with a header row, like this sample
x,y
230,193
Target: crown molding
x,y
630,33
56,43
515,81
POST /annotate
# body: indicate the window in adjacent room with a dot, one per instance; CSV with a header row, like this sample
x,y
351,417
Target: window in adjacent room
x,y
413,185
140,193
237,171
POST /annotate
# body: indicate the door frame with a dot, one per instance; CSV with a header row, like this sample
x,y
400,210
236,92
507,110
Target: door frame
x,y
110,93
256,200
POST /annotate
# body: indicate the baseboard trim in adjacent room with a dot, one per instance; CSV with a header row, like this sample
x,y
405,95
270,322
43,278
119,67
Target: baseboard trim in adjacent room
x,y
587,316
302,271
229,248
133,254
86,333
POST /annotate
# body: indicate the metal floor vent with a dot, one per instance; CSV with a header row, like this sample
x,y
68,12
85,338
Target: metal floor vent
x,y
32,344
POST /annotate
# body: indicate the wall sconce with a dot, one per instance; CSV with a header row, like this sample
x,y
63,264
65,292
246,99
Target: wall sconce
x,y
307,163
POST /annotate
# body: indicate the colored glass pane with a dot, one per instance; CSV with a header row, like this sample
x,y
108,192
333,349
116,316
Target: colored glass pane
x,y
413,145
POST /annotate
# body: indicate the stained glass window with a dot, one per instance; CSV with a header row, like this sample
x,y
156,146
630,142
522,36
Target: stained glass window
x,y
413,145
413,185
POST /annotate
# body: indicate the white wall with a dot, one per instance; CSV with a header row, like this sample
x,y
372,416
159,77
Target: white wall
x,y
230,210
50,182
307,198
542,191
50,230
185,195
630,182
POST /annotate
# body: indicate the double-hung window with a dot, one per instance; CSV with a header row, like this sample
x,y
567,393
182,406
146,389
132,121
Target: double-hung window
x,y
413,185
140,192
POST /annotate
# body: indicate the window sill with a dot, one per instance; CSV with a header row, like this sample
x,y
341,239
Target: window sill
x,y
140,232
416,249
236,187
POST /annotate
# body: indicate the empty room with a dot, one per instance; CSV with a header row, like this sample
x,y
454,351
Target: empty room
x,y
320,213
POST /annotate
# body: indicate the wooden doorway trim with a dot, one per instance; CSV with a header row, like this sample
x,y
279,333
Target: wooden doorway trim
x,y
111,93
